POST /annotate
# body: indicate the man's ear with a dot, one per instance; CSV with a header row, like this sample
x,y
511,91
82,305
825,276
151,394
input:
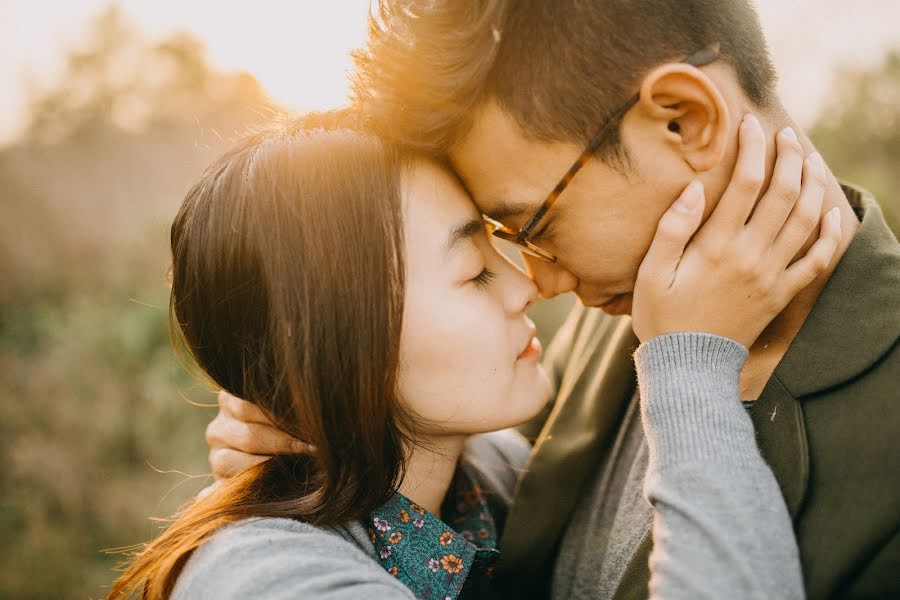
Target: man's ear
x,y
685,107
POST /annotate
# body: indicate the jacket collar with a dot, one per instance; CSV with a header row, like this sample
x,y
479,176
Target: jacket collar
x,y
855,320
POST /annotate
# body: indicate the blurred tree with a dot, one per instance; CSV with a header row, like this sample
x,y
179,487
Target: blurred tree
x,y
119,80
94,79
859,136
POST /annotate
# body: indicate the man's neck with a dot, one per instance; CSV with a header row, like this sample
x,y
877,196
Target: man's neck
x,y
772,344
429,471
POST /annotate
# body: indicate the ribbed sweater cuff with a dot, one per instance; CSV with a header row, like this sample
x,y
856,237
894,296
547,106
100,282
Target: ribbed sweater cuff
x,y
690,400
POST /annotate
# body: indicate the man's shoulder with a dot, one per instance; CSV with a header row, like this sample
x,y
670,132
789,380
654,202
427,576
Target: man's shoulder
x,y
589,333
828,422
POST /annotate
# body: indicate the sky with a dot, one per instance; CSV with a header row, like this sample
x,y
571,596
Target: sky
x,y
298,49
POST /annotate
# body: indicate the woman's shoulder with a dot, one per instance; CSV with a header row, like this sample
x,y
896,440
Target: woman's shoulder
x,y
270,558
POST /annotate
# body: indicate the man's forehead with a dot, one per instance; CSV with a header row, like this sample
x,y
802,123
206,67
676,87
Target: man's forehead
x,y
506,173
498,197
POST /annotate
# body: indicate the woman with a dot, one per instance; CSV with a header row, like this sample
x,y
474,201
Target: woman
x,y
351,293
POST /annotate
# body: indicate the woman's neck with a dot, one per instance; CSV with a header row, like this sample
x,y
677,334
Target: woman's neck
x,y
429,471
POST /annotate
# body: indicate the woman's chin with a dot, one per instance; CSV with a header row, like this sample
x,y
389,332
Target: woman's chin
x,y
532,396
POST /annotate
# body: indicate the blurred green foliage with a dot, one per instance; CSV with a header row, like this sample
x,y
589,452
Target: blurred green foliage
x,y
93,403
859,134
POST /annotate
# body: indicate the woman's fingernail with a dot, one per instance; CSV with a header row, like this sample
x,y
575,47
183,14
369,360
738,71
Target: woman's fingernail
x,y
751,120
817,165
834,215
789,134
691,198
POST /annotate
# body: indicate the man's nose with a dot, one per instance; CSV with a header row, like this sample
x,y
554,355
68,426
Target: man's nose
x,y
551,278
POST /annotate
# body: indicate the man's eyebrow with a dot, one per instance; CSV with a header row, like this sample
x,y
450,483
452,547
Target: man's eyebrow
x,y
463,231
506,210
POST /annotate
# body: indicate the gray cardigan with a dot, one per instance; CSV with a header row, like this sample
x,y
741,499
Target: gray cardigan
x,y
702,442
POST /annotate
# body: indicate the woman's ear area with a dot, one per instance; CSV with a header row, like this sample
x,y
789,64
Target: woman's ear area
x,y
684,106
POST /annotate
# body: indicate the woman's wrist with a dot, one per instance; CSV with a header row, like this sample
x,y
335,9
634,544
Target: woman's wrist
x,y
690,399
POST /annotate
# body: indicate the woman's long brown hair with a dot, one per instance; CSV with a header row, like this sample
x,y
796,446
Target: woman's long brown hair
x,y
287,291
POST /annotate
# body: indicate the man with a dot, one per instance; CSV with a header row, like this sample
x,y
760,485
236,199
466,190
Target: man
x,y
643,97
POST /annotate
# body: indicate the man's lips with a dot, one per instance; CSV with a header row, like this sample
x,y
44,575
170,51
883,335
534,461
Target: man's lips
x,y
603,302
609,302
620,305
614,305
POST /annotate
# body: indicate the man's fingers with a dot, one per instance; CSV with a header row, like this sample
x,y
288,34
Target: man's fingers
x,y
241,436
804,271
805,215
776,204
241,409
675,229
226,462
252,438
746,182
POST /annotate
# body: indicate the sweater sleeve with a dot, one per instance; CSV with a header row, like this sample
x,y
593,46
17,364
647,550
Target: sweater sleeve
x,y
721,528
281,559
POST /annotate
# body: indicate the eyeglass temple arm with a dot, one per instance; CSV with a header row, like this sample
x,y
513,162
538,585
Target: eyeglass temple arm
x,y
698,59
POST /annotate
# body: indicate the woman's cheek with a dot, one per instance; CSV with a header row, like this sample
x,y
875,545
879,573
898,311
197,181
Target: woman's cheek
x,y
486,363
462,367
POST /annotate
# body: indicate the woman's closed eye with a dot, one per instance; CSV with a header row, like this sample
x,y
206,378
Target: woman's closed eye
x,y
484,278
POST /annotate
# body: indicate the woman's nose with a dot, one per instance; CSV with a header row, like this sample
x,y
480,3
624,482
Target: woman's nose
x,y
522,292
551,279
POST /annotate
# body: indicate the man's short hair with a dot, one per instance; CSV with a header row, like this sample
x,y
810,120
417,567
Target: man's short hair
x,y
558,67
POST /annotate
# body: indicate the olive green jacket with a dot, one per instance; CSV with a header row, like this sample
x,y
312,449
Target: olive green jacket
x,y
827,422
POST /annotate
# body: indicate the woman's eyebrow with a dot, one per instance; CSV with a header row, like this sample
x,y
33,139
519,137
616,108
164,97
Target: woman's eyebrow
x,y
461,232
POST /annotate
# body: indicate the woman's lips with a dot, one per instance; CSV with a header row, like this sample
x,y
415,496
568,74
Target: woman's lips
x,y
532,350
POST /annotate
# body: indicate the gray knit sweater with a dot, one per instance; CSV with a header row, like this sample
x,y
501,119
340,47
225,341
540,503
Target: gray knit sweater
x,y
721,529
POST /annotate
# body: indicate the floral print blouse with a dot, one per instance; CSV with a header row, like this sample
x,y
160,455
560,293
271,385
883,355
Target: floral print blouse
x,y
437,560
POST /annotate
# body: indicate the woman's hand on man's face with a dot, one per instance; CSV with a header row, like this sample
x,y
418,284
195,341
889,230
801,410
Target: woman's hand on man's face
x,y
241,436
734,276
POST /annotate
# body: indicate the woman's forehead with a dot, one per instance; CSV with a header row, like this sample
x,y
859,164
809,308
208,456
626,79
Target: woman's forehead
x,y
433,193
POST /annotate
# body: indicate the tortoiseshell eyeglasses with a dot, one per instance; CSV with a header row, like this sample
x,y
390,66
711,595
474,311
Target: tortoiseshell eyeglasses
x,y
520,237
